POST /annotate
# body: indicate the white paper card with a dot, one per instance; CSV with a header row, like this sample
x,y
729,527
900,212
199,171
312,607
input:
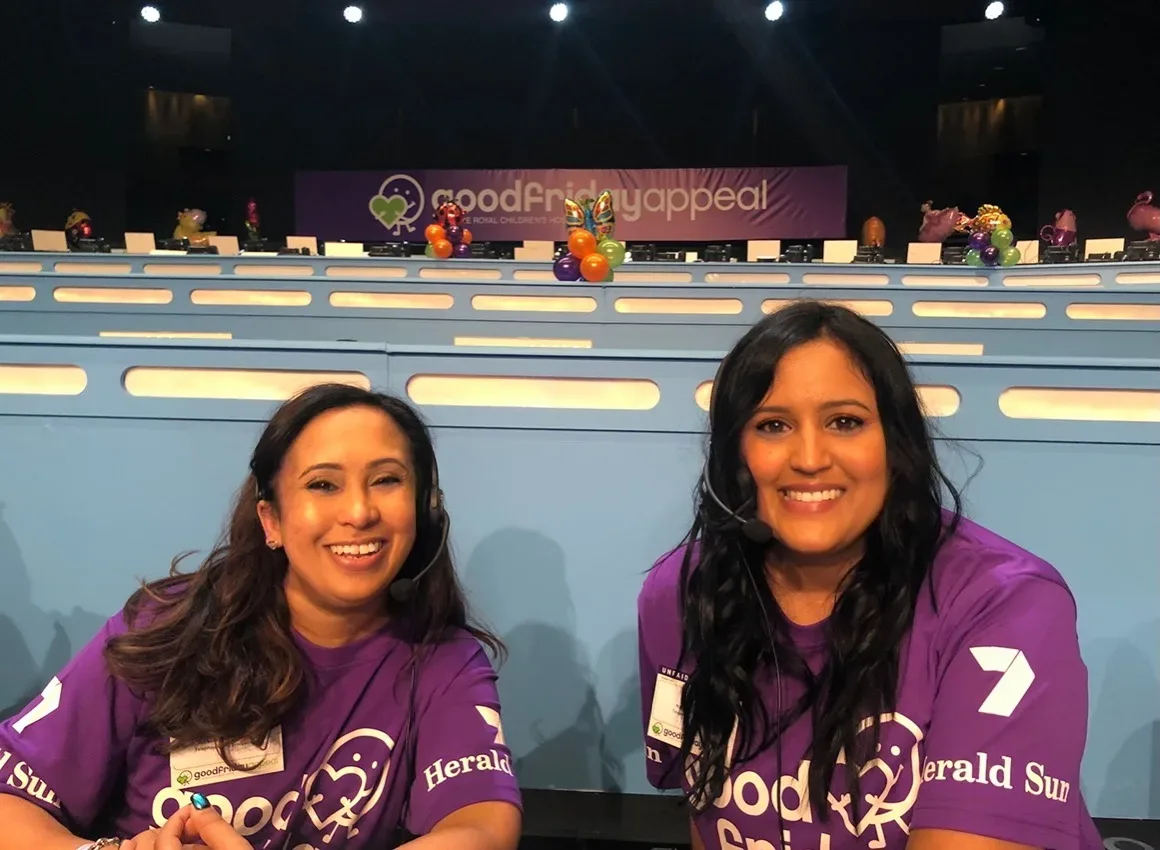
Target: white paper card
x,y
664,722
203,765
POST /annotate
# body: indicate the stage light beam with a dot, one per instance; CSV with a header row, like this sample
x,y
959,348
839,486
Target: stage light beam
x,y
774,10
558,12
150,14
994,10
353,14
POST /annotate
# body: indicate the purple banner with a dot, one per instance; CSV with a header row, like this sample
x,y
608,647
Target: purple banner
x,y
672,204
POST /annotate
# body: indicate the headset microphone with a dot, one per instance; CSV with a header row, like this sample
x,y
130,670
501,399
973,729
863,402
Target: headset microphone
x,y
403,589
754,529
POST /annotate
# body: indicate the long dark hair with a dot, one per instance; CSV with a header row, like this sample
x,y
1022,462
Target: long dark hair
x,y
728,612
212,649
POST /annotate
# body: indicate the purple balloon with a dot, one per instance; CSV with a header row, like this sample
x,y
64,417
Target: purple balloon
x,y
461,251
979,240
455,234
567,268
990,255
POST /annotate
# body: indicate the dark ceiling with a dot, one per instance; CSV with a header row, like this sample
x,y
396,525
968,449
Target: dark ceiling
x,y
500,12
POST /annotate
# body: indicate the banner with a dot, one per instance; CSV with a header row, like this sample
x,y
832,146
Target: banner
x,y
654,205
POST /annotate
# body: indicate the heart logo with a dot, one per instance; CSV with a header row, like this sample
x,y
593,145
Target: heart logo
x,y
388,210
350,782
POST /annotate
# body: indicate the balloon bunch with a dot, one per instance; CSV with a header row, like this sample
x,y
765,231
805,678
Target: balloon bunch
x,y
992,243
189,226
7,219
78,226
592,252
449,236
253,221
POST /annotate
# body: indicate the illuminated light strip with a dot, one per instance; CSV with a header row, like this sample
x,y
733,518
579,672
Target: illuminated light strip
x,y
521,342
36,379
528,392
253,384
165,335
1080,405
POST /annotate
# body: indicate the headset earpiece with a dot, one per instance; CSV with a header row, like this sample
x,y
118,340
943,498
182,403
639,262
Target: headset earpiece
x,y
403,589
435,504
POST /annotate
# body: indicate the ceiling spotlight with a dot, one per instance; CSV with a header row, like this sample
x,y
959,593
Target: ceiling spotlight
x,y
994,10
150,14
558,12
353,14
774,10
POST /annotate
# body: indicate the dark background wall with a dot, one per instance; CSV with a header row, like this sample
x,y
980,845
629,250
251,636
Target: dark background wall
x,y
1046,109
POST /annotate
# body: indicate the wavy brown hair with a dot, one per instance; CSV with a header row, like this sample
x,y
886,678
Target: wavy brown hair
x,y
212,649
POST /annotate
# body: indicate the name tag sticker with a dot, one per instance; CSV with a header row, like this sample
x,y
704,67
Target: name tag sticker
x,y
203,765
664,722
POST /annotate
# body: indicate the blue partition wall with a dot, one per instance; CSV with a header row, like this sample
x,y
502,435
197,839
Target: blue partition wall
x,y
560,508
1105,310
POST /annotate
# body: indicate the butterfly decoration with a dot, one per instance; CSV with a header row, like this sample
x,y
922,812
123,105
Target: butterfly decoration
x,y
575,215
598,216
603,216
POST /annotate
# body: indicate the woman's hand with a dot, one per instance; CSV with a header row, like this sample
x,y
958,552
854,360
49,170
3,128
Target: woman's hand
x,y
190,828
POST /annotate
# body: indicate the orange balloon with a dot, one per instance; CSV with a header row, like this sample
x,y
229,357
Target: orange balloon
x,y
581,243
442,249
595,268
467,237
434,233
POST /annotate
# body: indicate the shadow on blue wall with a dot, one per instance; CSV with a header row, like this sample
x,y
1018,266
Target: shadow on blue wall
x,y
1127,722
563,733
25,628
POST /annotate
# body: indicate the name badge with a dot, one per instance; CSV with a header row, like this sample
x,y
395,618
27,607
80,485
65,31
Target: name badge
x,y
664,721
203,765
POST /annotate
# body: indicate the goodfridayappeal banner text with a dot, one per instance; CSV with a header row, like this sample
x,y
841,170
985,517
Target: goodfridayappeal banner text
x,y
652,204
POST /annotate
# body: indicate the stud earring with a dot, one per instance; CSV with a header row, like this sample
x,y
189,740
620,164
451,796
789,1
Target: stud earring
x,y
273,544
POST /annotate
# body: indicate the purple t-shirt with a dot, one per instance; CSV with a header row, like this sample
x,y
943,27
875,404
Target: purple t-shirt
x,y
987,737
328,779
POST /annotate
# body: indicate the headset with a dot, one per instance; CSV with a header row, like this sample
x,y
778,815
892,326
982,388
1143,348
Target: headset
x,y
757,531
403,589
407,747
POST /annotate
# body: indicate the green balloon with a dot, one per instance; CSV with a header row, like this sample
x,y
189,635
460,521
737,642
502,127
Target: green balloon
x,y
613,251
974,258
430,252
1002,239
1010,255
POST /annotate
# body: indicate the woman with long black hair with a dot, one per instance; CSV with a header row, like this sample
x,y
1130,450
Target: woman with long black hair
x,y
832,660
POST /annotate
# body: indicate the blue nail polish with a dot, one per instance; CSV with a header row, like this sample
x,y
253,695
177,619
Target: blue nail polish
x,y
199,801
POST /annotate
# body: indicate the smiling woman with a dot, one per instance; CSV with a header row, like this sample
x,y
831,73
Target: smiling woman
x,y
830,658
317,675
342,506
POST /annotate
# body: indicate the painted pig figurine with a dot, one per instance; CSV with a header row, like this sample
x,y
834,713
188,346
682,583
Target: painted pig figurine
x,y
938,225
1144,216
